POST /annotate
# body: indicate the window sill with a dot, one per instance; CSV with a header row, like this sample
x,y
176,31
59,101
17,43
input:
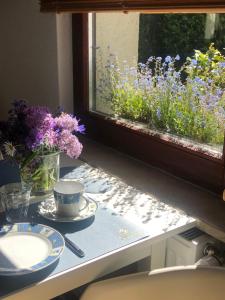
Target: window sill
x,y
185,144
193,166
195,201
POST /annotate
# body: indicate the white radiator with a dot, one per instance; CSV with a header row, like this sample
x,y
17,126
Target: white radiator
x,y
187,247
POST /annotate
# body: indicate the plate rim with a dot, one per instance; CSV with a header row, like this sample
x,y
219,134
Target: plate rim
x,y
28,271
72,219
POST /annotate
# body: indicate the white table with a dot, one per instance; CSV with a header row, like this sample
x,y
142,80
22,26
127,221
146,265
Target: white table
x,y
119,206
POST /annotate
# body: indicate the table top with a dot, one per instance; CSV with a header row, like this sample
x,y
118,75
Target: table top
x,y
126,223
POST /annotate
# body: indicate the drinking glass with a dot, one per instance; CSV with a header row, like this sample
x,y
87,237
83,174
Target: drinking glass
x,y
15,198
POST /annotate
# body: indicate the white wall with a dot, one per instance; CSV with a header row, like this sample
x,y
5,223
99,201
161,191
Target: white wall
x,y
118,34
120,31
31,56
65,61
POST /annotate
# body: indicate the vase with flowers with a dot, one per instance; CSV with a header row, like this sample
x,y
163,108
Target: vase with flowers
x,y
33,137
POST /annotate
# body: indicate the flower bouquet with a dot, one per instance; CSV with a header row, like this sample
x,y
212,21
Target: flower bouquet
x,y
33,137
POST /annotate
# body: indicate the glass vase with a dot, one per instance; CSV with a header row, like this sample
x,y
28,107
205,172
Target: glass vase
x,y
42,172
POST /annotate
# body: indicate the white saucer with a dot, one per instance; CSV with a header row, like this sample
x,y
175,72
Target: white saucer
x,y
47,209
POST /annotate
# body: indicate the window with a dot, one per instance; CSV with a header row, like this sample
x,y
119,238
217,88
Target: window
x,y
156,89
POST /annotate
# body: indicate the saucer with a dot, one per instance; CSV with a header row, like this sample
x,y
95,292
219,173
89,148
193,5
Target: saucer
x,y
47,210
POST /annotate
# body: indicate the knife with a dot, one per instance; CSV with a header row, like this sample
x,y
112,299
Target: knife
x,y
73,247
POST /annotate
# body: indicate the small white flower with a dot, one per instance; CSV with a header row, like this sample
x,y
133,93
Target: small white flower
x,y
9,149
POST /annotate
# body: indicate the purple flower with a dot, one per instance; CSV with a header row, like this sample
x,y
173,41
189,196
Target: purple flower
x,y
34,129
50,138
35,116
66,121
34,139
40,122
81,128
68,143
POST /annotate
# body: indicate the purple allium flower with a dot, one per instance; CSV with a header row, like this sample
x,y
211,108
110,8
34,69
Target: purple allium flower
x,y
35,116
34,139
65,121
50,138
34,129
68,143
39,121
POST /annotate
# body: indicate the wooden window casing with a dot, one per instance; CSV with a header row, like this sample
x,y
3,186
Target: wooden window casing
x,y
153,6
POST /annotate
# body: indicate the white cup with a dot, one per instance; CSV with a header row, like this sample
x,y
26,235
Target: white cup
x,y
68,198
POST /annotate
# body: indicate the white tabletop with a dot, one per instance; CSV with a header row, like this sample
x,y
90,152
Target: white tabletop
x,y
146,221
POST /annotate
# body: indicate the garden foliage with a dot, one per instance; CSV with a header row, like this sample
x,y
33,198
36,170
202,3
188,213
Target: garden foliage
x,y
187,100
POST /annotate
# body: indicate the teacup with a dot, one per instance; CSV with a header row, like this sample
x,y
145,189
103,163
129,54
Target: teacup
x,y
68,198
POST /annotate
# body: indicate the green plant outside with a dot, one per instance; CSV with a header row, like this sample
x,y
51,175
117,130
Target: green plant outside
x,y
157,94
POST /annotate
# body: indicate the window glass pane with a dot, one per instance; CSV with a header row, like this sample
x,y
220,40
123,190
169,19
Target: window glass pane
x,y
164,72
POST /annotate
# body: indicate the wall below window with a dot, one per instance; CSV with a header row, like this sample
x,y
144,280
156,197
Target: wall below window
x,y
35,56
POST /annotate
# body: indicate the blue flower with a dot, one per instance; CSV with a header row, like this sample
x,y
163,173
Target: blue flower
x,y
142,65
179,114
81,128
168,59
222,64
177,57
158,113
199,80
150,59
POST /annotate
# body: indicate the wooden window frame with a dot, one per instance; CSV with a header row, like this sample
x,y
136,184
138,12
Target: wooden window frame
x,y
156,6
196,167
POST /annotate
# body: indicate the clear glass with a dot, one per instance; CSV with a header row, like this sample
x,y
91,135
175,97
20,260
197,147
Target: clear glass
x,y
165,72
15,198
41,172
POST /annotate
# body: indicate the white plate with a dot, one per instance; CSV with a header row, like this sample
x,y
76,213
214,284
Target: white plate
x,y
47,209
26,248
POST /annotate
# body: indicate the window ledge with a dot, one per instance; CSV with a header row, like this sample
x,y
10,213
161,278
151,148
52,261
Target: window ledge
x,y
197,202
175,141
